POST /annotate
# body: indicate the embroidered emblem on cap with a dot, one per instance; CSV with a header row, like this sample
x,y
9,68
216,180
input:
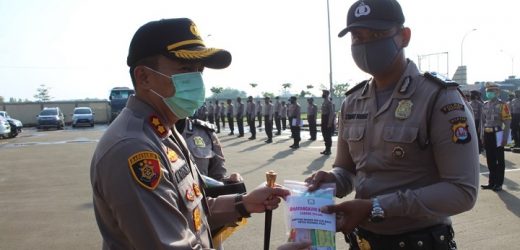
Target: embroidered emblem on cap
x,y
362,10
197,219
404,109
398,152
196,189
459,128
172,156
199,142
194,30
146,169
158,127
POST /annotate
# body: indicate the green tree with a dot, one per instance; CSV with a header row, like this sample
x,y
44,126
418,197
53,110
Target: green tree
x,y
229,93
216,91
268,94
42,94
339,89
285,87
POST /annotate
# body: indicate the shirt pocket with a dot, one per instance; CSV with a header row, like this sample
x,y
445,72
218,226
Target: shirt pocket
x,y
400,142
354,135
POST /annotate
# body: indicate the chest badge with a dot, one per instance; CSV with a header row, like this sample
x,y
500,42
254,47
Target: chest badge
x,y
196,190
404,109
398,152
197,219
199,142
172,156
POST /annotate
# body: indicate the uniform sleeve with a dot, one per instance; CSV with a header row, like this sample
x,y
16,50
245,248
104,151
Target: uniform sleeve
x,y
506,119
344,167
455,152
149,219
216,167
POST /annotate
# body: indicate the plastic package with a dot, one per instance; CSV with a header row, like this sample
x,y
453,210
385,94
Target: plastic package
x,y
305,221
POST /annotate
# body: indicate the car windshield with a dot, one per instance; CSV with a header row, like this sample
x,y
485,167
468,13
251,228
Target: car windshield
x,y
120,94
49,112
82,111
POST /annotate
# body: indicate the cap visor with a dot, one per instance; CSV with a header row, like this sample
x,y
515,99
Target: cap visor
x,y
368,24
210,57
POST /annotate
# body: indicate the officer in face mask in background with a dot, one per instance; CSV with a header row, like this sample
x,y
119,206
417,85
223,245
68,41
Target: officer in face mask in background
x,y
405,138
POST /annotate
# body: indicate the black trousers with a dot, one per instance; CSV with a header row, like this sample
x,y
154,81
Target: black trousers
x,y
295,132
284,123
211,118
251,124
240,125
268,126
515,129
223,118
312,126
326,132
495,159
259,116
217,122
277,122
230,123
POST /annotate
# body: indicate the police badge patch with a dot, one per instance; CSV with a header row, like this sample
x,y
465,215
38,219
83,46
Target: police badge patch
x,y
404,109
459,128
146,169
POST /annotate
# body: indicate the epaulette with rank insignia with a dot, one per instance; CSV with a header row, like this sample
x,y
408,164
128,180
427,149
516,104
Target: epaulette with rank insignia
x,y
204,125
358,86
442,82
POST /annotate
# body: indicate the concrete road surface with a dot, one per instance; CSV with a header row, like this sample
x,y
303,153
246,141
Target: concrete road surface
x,y
45,194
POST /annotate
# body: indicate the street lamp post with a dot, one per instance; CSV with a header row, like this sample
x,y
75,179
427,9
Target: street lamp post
x,y
512,62
462,47
330,50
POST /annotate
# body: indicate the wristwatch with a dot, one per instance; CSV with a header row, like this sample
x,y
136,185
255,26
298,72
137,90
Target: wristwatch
x,y
377,214
239,206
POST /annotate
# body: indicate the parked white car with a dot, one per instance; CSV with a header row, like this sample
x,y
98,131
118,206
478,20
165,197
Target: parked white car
x,y
83,116
5,128
17,123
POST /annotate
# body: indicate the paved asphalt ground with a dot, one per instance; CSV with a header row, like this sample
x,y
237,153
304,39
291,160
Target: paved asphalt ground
x,y
45,194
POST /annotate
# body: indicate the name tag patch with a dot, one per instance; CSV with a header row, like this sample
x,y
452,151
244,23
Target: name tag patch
x,y
356,116
452,107
182,173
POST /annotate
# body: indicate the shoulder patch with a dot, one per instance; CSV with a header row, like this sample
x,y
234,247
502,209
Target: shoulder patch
x,y
460,130
205,125
442,82
355,88
146,169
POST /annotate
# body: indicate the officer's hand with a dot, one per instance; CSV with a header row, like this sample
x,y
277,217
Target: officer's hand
x,y
349,214
233,178
315,180
295,246
264,198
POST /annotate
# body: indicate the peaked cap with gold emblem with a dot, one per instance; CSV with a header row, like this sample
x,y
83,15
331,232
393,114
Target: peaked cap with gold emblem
x,y
177,38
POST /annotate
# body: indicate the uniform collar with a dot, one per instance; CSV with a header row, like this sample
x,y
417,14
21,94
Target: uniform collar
x,y
404,88
146,112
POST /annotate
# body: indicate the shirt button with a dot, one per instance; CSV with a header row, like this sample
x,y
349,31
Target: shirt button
x,y
401,244
419,243
441,237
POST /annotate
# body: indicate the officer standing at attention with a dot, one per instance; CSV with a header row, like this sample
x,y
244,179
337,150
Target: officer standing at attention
x,y
515,122
496,119
277,111
312,112
211,113
283,115
230,111
240,117
406,140
217,116
294,113
476,105
147,193
268,119
223,114
259,109
327,121
250,117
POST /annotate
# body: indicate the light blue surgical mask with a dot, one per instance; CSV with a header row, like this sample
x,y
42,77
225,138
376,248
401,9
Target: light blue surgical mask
x,y
189,93
490,95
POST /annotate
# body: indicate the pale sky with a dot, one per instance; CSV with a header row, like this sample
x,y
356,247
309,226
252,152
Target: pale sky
x,y
79,48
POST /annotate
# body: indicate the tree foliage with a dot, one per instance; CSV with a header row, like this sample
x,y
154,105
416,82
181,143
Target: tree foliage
x,y
339,89
42,94
228,93
253,85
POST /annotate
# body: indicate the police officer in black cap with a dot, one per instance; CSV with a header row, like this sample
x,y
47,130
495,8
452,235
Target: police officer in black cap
x,y
327,121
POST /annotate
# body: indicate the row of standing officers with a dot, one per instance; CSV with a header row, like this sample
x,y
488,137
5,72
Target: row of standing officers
x,y
278,114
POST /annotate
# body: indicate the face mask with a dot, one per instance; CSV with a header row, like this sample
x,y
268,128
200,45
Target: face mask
x,y
375,57
189,93
490,95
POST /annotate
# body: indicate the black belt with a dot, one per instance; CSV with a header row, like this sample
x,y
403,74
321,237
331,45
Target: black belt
x,y
492,129
438,237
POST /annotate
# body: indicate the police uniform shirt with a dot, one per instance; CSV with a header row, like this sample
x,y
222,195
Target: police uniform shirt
x,y
327,109
277,107
476,106
385,153
205,147
294,112
240,110
230,109
217,110
222,110
145,194
211,109
312,110
515,106
283,111
250,110
268,110
495,113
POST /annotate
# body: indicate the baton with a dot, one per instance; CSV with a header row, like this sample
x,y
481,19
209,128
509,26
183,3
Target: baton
x,y
271,179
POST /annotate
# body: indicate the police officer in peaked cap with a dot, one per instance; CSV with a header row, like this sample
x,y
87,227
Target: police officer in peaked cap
x,y
406,140
147,192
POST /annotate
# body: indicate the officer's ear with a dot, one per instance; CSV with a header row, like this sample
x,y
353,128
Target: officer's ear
x,y
142,75
406,34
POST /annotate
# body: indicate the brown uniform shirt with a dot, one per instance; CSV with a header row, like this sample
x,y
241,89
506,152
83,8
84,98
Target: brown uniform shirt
x,y
384,153
147,195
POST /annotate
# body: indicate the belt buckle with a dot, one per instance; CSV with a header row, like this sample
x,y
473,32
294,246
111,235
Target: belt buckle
x,y
489,130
